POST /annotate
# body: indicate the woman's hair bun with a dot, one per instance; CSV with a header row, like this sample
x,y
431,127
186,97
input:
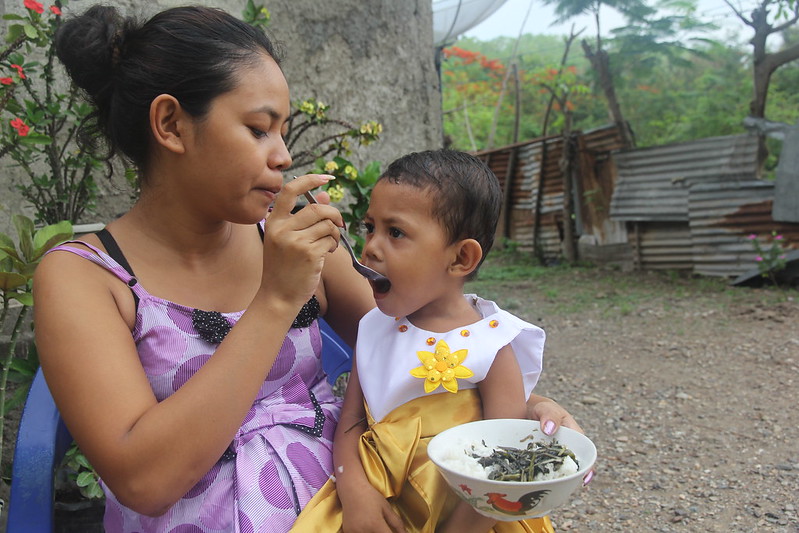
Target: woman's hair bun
x,y
89,46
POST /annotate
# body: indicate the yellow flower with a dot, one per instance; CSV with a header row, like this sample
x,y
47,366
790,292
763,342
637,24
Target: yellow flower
x,y
307,107
441,367
350,172
331,166
336,193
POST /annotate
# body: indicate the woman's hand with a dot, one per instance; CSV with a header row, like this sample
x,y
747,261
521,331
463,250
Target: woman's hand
x,y
296,245
551,416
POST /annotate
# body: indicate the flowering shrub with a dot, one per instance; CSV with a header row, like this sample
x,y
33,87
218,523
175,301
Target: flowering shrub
x,y
330,157
770,259
352,185
39,124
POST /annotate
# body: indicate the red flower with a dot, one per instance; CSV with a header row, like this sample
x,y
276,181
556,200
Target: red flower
x,y
33,5
19,71
6,81
20,126
55,10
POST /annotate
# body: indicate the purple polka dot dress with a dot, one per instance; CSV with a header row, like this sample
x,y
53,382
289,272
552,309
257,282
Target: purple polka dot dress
x,y
281,455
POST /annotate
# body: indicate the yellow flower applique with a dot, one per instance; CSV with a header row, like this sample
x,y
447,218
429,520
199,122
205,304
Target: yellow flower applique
x,y
441,367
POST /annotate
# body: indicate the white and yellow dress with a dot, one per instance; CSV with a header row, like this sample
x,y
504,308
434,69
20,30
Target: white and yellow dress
x,y
408,376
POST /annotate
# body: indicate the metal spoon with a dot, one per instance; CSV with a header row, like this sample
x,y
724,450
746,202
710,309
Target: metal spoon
x,y
380,283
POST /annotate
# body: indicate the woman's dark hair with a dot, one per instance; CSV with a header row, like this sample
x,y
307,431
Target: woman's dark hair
x,y
466,194
191,53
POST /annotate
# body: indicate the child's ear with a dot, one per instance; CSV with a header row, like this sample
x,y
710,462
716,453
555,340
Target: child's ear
x,y
468,254
167,123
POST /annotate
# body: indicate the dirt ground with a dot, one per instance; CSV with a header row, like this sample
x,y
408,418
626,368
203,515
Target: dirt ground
x,y
688,387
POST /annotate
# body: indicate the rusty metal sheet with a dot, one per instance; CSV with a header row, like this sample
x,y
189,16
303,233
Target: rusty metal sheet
x,y
724,215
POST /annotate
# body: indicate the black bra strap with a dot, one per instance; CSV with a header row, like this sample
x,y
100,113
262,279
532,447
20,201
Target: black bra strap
x,y
112,248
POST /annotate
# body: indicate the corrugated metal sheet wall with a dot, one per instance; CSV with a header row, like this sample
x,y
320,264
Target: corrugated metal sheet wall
x,y
688,206
530,180
723,215
653,182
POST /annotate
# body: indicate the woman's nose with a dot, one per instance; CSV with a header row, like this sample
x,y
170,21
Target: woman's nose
x,y
280,158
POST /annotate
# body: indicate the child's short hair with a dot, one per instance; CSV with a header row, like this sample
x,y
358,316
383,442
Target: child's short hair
x,y
466,194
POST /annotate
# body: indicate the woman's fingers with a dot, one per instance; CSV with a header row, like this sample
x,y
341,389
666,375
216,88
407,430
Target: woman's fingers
x,y
293,189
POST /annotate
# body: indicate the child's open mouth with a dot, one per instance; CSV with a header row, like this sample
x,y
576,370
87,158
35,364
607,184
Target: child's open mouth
x,y
380,286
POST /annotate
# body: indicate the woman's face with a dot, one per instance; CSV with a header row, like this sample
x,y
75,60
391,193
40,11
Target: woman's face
x,y
237,152
408,245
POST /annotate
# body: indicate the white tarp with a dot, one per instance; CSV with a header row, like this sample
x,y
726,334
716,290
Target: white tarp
x,y
454,17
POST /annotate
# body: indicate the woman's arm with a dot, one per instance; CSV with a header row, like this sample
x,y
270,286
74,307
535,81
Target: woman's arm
x,y
151,453
348,294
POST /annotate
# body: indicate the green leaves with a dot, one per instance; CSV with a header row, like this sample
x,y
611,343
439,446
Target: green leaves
x,y
18,264
79,469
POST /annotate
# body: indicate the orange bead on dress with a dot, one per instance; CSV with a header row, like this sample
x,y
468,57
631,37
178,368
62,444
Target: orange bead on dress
x,y
493,323
465,333
403,328
431,341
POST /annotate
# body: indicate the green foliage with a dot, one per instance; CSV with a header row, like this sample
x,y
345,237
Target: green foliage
x,y
472,73
673,83
82,473
40,123
18,262
254,15
353,187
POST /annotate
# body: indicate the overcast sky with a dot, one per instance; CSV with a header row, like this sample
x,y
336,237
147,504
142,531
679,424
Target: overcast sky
x,y
507,20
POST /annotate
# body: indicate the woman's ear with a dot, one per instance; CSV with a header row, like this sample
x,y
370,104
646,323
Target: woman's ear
x,y
167,123
468,254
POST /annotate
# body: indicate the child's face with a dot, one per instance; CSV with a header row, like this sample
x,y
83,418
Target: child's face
x,y
408,245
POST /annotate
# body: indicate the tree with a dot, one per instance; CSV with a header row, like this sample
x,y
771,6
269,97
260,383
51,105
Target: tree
x,y
764,63
597,55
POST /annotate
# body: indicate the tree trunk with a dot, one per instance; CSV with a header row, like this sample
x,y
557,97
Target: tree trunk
x,y
601,64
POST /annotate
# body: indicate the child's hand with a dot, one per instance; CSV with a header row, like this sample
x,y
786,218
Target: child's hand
x,y
371,514
552,416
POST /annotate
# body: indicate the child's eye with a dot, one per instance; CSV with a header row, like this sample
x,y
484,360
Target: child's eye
x,y
396,233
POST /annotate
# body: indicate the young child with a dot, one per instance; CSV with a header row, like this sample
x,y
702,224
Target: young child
x,y
429,357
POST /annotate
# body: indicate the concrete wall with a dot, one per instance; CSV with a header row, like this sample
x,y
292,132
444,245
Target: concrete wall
x,y
369,60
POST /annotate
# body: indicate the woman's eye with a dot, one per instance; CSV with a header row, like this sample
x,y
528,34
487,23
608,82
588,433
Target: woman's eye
x,y
258,133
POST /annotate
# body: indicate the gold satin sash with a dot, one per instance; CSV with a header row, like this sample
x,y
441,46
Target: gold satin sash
x,y
394,457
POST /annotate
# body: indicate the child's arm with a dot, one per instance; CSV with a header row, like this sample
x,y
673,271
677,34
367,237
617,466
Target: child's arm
x,y
364,508
502,390
502,394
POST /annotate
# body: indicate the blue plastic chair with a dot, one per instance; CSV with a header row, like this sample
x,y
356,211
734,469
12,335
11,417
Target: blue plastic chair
x,y
43,439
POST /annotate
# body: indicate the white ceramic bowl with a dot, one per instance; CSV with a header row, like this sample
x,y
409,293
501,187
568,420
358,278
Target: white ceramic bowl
x,y
508,500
